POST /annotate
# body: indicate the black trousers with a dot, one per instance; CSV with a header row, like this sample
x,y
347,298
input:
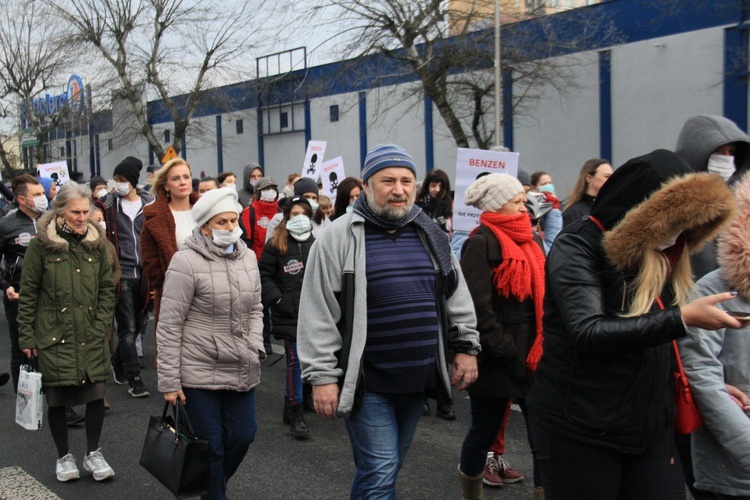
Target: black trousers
x,y
16,355
575,470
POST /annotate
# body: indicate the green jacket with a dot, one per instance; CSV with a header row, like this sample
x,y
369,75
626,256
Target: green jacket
x,y
66,304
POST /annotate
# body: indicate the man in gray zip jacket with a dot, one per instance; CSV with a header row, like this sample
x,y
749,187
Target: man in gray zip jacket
x,y
384,303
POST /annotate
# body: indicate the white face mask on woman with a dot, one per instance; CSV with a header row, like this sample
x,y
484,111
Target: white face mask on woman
x,y
223,238
722,165
268,195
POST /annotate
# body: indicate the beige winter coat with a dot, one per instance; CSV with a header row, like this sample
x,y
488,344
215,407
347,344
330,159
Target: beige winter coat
x,y
210,331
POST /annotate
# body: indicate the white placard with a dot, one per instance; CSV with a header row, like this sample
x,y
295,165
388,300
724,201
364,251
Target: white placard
x,y
471,164
331,174
58,171
313,159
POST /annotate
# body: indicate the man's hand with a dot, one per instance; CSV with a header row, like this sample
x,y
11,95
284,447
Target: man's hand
x,y
29,352
326,398
464,368
10,292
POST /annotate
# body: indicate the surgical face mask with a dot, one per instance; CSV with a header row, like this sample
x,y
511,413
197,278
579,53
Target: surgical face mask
x,y
314,205
722,165
299,225
548,188
103,224
101,193
224,238
288,191
123,188
268,195
40,204
253,182
349,208
233,186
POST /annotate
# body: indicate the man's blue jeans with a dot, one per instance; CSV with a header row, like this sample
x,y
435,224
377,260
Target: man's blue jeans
x,y
227,419
381,431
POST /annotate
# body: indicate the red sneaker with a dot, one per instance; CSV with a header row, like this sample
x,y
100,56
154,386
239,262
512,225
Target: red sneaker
x,y
509,475
491,469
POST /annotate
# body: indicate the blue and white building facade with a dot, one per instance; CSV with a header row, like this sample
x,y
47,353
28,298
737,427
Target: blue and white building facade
x,y
632,97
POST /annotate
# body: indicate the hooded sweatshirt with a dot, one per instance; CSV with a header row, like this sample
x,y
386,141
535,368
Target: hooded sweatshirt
x,y
702,134
698,139
245,195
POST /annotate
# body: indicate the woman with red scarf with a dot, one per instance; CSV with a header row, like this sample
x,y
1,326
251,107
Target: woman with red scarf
x,y
503,263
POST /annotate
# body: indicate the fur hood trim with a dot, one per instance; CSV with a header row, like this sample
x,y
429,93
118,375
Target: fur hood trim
x,y
700,205
48,236
734,246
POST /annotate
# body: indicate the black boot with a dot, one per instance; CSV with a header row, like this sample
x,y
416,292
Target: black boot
x,y
287,415
299,427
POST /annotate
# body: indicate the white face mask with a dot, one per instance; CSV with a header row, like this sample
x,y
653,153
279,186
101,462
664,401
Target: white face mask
x,y
101,193
314,205
103,224
123,188
223,238
722,165
268,195
40,204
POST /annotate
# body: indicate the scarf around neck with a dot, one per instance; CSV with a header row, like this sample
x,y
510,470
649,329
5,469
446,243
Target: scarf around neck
x,y
521,272
437,239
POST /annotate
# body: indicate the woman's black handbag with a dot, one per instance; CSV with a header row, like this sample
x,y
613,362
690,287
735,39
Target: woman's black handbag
x,y
174,455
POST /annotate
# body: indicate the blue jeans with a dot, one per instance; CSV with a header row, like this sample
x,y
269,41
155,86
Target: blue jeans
x,y
227,420
381,431
293,374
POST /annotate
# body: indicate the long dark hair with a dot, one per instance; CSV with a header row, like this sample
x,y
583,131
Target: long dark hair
x,y
280,238
442,204
588,168
342,195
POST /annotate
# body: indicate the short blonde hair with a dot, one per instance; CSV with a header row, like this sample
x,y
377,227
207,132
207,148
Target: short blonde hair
x,y
160,178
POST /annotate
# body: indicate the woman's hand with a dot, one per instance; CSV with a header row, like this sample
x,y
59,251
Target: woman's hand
x,y
739,397
29,352
173,396
703,313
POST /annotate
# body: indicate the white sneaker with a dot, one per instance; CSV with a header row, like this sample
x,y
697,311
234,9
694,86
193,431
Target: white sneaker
x,y
94,462
66,468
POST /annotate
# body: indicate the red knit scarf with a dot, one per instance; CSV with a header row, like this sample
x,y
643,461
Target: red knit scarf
x,y
521,272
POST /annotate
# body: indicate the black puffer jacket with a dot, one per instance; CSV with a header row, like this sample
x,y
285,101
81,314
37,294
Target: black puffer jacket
x,y
606,379
281,279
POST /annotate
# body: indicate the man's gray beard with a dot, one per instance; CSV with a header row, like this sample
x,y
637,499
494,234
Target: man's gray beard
x,y
389,212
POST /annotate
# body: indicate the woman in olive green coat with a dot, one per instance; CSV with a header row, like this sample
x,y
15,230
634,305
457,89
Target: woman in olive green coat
x,y
64,315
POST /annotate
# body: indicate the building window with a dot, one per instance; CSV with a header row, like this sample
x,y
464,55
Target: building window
x,y
109,145
239,126
62,151
333,111
284,120
167,138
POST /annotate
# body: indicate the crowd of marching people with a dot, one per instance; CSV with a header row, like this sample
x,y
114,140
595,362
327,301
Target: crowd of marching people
x,y
576,310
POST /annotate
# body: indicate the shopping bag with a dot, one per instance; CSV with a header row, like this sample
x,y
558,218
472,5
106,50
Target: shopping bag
x,y
174,455
29,398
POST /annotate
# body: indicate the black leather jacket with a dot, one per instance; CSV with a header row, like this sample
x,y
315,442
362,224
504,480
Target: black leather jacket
x,y
603,379
16,232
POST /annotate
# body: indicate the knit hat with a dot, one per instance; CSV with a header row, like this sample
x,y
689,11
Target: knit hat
x,y
385,156
214,202
130,168
490,192
46,183
523,177
97,181
265,183
305,185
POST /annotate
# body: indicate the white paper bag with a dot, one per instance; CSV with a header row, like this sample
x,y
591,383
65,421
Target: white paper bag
x,y
29,399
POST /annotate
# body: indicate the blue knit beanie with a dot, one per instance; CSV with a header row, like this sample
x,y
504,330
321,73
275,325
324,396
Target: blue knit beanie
x,y
46,183
385,156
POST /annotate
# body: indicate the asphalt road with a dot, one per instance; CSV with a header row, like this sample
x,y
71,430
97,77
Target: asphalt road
x,y
276,466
